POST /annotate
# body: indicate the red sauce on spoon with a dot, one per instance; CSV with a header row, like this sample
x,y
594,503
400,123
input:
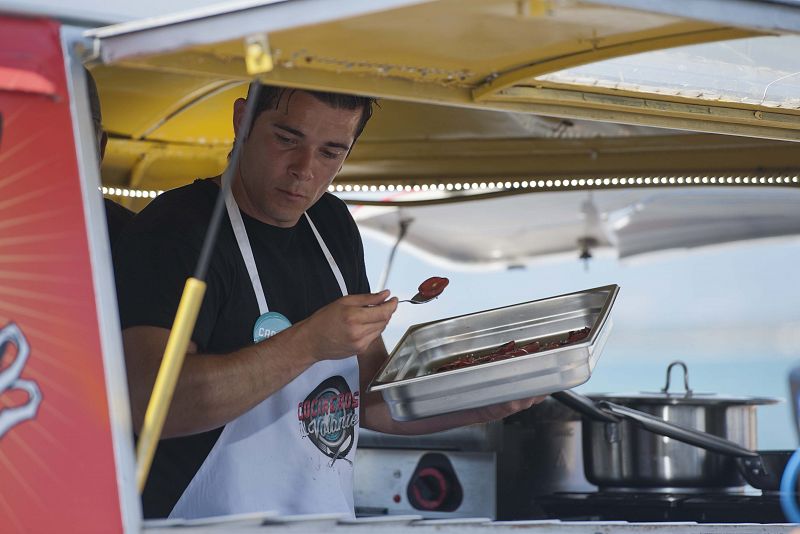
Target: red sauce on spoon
x,y
432,287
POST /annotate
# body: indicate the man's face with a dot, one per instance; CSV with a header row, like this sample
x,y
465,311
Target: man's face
x,y
291,156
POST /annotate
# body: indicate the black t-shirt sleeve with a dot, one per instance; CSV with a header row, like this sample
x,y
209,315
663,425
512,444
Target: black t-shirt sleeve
x,y
151,272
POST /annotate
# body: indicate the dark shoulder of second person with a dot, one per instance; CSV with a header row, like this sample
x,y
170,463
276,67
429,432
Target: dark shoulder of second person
x,y
184,211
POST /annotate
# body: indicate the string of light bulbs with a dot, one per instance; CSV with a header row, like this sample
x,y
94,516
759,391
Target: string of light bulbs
x,y
519,184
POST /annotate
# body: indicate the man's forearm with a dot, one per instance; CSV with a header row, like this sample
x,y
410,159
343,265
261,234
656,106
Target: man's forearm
x,y
214,389
376,416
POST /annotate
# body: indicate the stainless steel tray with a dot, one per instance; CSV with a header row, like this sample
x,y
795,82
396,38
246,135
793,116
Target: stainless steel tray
x,y
413,391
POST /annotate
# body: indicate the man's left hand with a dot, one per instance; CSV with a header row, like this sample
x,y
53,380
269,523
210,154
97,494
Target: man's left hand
x,y
375,416
504,409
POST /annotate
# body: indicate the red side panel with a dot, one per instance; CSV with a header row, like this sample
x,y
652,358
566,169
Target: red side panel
x,y
57,471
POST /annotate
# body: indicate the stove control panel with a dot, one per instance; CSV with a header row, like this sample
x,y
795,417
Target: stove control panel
x,y
433,484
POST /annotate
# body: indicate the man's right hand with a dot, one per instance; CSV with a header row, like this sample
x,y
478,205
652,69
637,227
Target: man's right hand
x,y
348,325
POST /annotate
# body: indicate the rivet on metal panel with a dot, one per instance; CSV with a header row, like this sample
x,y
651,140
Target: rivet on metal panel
x,y
258,57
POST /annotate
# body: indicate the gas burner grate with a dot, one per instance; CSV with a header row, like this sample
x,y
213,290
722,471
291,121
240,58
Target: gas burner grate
x,y
648,506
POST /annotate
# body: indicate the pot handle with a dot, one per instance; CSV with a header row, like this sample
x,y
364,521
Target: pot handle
x,y
697,438
584,405
688,390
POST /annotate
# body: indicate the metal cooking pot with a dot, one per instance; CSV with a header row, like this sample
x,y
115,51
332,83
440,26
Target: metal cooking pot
x,y
621,454
542,452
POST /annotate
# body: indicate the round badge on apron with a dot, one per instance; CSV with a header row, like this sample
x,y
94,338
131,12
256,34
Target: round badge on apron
x,y
268,325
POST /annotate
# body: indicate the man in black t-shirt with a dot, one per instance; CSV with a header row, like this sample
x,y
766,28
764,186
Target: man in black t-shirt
x,y
272,392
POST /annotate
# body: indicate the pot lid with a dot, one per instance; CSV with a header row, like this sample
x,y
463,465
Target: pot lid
x,y
685,397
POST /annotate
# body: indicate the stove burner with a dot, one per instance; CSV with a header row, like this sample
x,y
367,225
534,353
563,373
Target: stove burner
x,y
640,506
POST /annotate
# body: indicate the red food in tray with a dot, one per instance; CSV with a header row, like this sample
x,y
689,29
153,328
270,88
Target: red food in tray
x,y
512,350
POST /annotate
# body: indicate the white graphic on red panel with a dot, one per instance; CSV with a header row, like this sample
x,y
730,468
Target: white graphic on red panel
x,y
10,416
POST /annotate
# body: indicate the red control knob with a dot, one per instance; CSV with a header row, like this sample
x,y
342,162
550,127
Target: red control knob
x,y
429,488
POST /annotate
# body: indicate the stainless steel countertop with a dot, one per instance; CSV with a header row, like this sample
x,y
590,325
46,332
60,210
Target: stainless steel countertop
x,y
478,526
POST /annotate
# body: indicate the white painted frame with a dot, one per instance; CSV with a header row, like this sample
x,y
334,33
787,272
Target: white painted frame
x,y
116,385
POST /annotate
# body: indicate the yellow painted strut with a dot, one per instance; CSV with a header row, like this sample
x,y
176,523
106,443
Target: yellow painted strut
x,y
167,378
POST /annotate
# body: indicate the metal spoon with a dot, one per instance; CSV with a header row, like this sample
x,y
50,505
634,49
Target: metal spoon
x,y
419,298
416,299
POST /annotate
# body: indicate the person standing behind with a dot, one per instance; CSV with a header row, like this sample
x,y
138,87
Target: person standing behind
x,y
117,216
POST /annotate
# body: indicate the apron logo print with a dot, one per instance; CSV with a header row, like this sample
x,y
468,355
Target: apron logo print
x,y
328,417
11,416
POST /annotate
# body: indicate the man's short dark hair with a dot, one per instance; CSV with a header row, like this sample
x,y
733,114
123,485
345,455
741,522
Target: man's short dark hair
x,y
270,96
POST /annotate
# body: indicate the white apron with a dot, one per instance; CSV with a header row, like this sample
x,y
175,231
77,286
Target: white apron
x,y
293,452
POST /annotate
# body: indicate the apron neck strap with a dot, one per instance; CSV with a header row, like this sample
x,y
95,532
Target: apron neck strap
x,y
246,250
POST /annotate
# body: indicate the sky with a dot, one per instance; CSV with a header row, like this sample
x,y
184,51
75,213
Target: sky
x,y
730,312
